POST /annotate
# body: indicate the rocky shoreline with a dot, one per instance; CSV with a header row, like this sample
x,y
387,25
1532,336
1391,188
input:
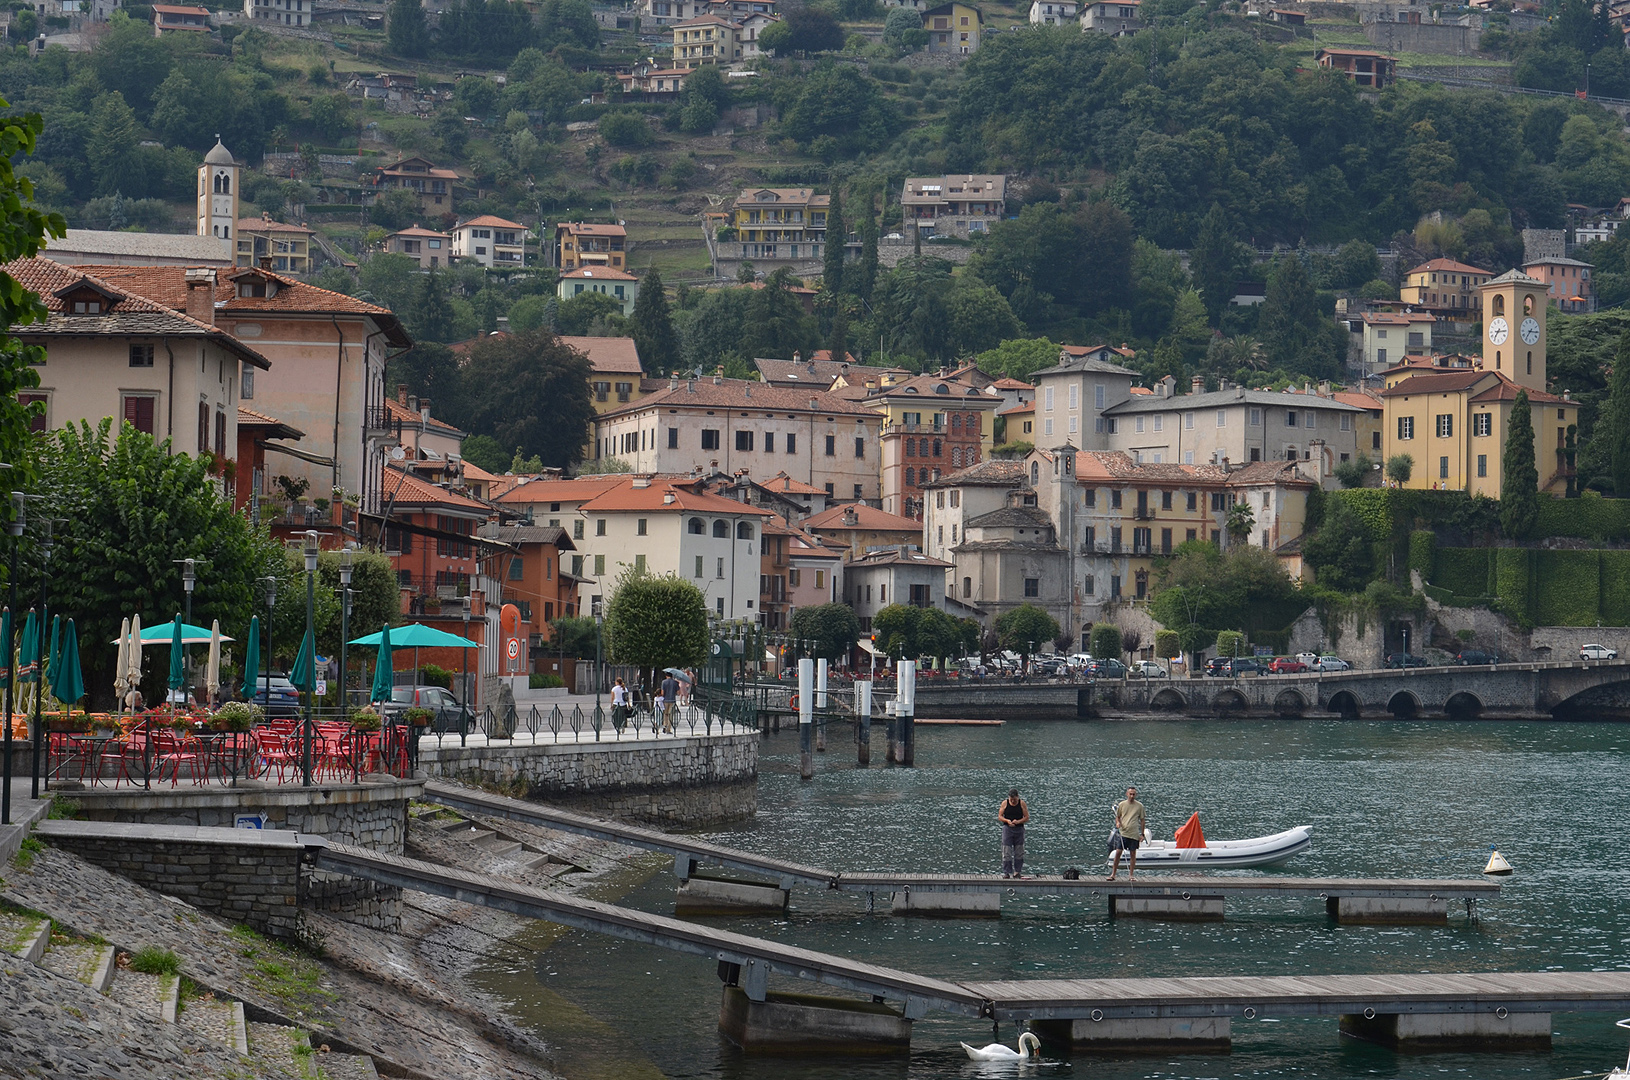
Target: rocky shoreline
x,y
405,999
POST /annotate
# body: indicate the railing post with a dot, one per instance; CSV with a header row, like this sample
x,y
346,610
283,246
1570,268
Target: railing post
x,y
863,721
906,707
820,703
806,717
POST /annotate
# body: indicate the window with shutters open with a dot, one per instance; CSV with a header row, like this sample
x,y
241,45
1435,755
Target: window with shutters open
x,y
138,411
203,427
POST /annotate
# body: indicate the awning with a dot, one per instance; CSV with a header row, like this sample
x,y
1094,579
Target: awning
x,y
279,448
869,647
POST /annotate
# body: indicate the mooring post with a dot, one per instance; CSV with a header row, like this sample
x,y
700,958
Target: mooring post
x,y
806,718
820,703
907,701
891,709
863,725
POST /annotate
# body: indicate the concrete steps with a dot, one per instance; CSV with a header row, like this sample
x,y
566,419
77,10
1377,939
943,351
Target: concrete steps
x,y
499,843
289,1050
82,961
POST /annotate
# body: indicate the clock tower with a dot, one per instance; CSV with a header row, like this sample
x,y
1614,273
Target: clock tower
x,y
1514,328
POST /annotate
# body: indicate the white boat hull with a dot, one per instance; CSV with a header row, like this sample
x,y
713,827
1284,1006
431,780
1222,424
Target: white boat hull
x,y
1258,851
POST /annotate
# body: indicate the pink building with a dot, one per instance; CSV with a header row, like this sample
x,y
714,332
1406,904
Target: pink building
x,y
1567,281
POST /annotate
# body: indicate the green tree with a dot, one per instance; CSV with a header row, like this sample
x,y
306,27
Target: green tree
x,y
652,327
864,276
126,508
656,622
1294,333
432,316
1617,417
1399,468
1168,644
833,627
545,406
574,635
1352,472
627,129
1340,553
486,452
837,338
1019,358
980,317
112,150
1217,260
23,230
1519,478
1241,520
1104,642
1233,643
832,264
407,34
1022,628
903,28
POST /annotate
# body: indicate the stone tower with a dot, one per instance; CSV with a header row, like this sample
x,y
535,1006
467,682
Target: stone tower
x,y
218,179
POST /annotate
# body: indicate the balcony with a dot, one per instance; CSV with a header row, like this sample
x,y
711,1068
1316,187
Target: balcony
x,y
1143,513
378,423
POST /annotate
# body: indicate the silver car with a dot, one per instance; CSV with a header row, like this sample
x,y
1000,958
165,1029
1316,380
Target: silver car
x,y
1597,652
1330,663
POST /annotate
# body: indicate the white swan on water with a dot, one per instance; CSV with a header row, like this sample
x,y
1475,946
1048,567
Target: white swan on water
x,y
1029,1046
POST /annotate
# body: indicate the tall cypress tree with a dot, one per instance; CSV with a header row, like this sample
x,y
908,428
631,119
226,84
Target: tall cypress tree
x,y
653,328
832,268
865,275
838,340
1519,479
1216,262
1617,419
407,35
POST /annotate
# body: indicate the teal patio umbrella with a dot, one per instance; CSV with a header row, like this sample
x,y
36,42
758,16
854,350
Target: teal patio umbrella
x,y
28,660
161,633
50,670
5,643
178,657
384,675
304,674
67,680
419,636
251,660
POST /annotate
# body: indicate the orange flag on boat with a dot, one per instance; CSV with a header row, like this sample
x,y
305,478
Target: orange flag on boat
x,y
1190,836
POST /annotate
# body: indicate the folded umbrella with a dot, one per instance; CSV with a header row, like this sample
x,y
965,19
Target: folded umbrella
x,y
28,664
120,684
67,680
133,672
212,669
50,671
178,657
304,673
251,661
384,667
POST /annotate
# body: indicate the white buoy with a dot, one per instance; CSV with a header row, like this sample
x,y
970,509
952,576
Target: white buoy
x,y
1497,864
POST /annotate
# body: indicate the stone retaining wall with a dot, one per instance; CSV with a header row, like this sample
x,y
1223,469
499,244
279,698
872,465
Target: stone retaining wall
x,y
685,781
370,815
242,875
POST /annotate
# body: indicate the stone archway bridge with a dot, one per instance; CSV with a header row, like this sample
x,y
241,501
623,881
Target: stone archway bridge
x,y
1502,691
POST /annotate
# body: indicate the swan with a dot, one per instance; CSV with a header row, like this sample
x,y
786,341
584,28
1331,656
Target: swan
x,y
1029,1046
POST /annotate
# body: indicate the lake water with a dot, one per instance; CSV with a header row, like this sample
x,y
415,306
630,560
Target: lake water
x,y
1384,799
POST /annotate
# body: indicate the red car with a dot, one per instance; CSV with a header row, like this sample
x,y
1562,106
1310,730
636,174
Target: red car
x,y
1286,665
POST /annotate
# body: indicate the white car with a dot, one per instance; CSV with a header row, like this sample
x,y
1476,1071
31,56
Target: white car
x,y
1146,669
1308,658
1329,663
1597,652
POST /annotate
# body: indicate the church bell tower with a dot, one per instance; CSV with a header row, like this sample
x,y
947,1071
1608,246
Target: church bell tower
x,y
218,180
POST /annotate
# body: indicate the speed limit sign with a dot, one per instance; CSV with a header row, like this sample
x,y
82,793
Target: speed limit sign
x,y
513,649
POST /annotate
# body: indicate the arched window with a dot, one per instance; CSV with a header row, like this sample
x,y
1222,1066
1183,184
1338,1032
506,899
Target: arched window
x,y
1035,473
721,527
956,457
696,527
973,456
744,530
911,477
1528,305
936,448
911,447
1499,304
956,421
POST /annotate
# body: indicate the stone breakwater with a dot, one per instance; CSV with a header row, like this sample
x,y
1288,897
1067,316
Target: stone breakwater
x,y
673,782
371,815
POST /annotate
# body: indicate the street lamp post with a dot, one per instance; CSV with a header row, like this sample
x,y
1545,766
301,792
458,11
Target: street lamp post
x,y
311,624
464,697
19,520
270,584
189,580
599,676
39,689
347,554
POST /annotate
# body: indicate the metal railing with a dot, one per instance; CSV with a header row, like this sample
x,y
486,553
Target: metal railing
x,y
704,715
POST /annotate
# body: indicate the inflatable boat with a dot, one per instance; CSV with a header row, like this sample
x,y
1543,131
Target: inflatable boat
x,y
1190,849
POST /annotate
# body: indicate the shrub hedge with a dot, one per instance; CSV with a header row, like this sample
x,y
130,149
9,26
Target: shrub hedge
x,y
1512,577
1567,588
1615,588
1422,553
1463,571
1373,506
1590,517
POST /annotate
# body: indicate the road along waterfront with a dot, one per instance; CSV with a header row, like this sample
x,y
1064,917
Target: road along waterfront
x,y
1386,799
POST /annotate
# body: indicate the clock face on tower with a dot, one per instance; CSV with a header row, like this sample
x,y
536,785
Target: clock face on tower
x,y
1529,330
1499,330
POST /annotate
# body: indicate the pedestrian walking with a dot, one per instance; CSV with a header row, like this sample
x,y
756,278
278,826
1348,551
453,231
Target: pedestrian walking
x,y
1013,814
1130,821
619,704
670,703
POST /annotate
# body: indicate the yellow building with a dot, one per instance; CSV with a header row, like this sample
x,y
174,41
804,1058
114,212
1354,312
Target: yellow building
x,y
933,425
1453,423
779,224
1446,287
706,40
274,245
953,28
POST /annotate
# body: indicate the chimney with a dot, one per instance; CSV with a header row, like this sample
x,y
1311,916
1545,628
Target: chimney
x,y
424,410
401,393
1197,385
668,497
265,262
673,382
1224,384
747,391
201,295
413,403
690,386
641,482
718,380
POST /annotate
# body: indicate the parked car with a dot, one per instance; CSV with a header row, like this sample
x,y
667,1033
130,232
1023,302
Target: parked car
x,y
1080,659
1107,669
1235,666
1049,665
1147,669
1597,652
1475,656
1216,664
1287,665
1330,663
1406,660
284,701
1308,658
438,700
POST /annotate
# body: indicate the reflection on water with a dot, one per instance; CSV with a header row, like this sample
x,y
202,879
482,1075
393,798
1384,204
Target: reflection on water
x,y
1384,799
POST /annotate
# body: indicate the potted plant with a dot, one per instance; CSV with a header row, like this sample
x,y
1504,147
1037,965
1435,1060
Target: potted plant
x,y
419,716
236,716
364,719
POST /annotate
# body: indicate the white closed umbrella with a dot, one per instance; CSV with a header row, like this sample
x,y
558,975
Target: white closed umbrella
x,y
121,685
133,660
212,672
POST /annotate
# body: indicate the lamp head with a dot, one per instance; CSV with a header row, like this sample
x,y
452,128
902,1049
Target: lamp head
x,y
347,556
311,551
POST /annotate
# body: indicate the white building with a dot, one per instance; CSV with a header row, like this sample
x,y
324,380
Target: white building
x,y
1118,18
1052,12
620,286
490,241
282,12
903,575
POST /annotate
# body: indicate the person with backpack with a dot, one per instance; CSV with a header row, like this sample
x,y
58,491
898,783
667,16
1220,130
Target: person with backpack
x,y
1013,814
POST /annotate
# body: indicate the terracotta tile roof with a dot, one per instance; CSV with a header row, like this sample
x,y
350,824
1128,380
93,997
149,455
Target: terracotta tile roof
x,y
405,489
992,472
607,355
782,484
625,496
168,285
1438,382
1268,472
586,228
262,225
1506,390
743,394
472,471
1025,409
578,490
407,416
1442,265
417,231
251,418
132,313
937,388
1093,465
867,519
488,221
1139,390
1363,399
602,273
1010,383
